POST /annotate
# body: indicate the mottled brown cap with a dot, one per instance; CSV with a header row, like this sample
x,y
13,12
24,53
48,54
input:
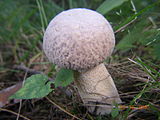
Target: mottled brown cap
x,y
78,39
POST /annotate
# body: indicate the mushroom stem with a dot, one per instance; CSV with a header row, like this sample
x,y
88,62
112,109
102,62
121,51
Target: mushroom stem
x,y
96,86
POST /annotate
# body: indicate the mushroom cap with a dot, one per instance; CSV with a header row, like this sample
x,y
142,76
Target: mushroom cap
x,y
78,39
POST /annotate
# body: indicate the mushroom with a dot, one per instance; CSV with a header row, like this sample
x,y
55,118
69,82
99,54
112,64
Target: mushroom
x,y
81,39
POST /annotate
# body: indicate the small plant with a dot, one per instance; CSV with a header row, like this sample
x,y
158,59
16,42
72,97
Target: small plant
x,y
38,86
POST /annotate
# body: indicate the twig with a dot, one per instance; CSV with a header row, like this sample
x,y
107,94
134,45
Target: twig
x,y
31,71
2,109
20,105
26,69
62,109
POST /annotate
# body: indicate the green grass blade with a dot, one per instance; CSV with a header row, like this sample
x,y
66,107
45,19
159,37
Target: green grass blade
x,y
44,14
70,4
108,5
43,17
147,68
130,19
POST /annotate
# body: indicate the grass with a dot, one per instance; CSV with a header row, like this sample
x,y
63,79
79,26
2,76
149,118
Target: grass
x,y
138,38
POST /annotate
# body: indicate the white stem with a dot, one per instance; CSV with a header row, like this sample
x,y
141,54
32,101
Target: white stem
x,y
97,86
